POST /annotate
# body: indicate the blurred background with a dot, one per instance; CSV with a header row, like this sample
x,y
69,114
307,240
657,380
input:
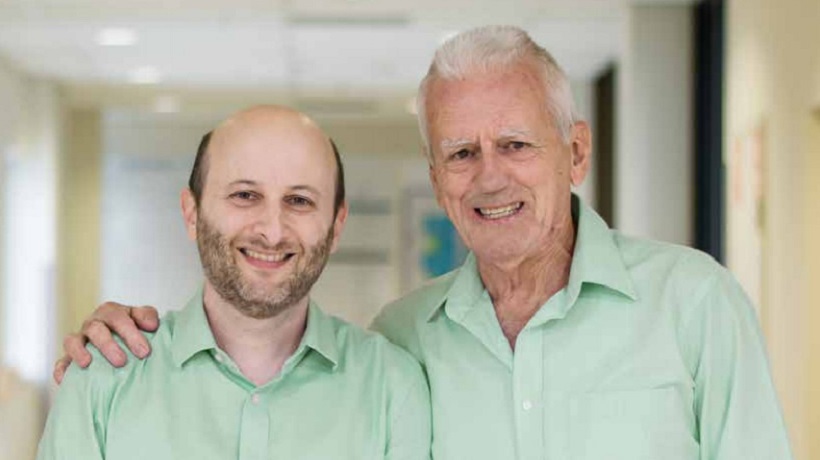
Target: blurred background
x,y
706,116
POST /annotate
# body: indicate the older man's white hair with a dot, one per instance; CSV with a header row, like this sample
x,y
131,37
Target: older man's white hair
x,y
491,49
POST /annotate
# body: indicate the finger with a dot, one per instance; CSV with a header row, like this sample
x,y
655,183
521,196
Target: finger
x,y
74,348
99,335
60,367
146,318
119,320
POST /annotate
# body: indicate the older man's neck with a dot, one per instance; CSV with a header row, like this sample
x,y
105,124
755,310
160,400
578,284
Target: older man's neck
x,y
259,347
518,289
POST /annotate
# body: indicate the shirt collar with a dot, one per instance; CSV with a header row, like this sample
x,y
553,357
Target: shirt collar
x,y
464,292
596,259
321,335
193,334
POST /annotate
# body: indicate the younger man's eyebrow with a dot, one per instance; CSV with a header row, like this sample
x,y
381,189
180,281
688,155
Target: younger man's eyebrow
x,y
296,188
307,188
243,182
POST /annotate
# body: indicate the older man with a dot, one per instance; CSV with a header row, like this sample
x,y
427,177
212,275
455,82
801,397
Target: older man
x,y
560,338
250,368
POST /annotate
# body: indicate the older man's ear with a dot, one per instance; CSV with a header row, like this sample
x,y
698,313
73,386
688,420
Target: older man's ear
x,y
581,144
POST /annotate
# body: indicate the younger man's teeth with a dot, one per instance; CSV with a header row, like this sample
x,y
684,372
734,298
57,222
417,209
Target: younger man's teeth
x,y
265,257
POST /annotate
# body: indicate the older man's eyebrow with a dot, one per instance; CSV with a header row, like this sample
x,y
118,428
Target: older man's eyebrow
x,y
448,144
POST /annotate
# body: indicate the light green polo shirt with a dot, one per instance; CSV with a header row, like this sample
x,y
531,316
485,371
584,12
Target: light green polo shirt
x,y
344,394
651,352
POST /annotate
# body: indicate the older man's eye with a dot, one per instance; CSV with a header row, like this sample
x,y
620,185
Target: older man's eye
x,y
461,154
516,145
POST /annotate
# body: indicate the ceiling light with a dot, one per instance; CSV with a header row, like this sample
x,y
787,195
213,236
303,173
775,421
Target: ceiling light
x,y
145,75
116,36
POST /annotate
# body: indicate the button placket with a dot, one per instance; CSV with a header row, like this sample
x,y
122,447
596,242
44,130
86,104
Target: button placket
x,y
527,376
254,429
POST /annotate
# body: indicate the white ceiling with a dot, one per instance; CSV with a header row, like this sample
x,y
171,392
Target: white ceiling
x,y
295,46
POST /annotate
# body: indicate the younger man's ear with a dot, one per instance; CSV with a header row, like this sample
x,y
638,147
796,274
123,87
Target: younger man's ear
x,y
339,225
189,212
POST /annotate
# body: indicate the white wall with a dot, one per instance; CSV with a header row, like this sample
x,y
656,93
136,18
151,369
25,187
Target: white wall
x,y
29,244
31,235
653,167
145,255
5,100
29,142
11,99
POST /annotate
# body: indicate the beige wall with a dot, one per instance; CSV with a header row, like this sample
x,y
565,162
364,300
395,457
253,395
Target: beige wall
x,y
811,176
773,67
78,220
396,136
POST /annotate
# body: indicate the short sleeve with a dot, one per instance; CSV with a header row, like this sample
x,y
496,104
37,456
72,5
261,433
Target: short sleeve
x,y
76,425
738,414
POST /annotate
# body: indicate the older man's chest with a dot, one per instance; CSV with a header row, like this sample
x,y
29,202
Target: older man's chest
x,y
612,387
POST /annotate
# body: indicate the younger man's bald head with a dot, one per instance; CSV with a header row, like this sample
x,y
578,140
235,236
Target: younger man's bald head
x,y
256,115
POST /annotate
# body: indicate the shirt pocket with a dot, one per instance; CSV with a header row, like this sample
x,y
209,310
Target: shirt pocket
x,y
632,425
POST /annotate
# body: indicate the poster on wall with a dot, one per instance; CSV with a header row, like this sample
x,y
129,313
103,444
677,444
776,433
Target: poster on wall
x,y
747,211
430,245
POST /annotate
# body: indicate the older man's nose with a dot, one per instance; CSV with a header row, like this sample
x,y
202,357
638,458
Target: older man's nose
x,y
492,174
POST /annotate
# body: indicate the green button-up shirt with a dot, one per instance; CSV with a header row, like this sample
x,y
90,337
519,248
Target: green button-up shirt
x,y
344,394
651,352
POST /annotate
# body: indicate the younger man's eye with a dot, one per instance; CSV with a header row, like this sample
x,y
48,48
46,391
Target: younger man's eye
x,y
244,196
300,201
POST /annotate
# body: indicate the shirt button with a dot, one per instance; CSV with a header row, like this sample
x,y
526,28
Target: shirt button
x,y
255,398
526,405
219,358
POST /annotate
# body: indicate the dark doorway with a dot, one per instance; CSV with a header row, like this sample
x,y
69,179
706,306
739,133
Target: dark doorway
x,y
709,171
604,136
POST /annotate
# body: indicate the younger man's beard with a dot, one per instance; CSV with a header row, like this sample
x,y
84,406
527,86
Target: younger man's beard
x,y
251,299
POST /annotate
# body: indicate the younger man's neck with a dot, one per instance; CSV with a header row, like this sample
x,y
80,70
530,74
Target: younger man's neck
x,y
259,347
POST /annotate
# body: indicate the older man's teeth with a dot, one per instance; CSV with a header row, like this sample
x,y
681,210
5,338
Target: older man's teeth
x,y
498,213
265,257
